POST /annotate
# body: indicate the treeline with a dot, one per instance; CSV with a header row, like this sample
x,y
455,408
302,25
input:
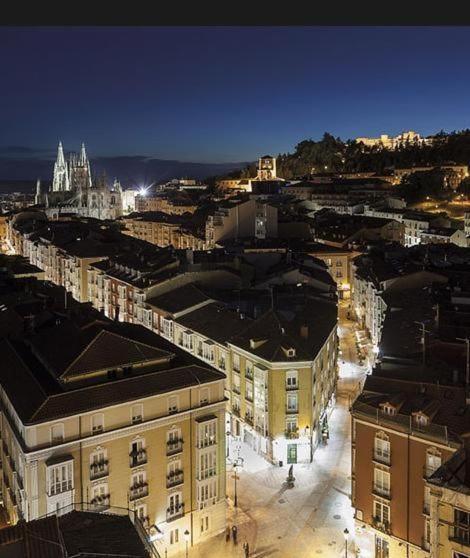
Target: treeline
x,y
332,154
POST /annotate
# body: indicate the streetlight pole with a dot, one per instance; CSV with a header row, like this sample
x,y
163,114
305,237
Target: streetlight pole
x,y
346,536
186,538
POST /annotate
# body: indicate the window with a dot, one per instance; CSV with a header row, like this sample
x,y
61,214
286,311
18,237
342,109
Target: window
x,y
427,500
381,512
207,493
382,448
141,513
207,464
204,396
60,478
173,404
421,420
174,536
388,409
57,433
339,274
208,351
138,479
97,423
207,433
98,463
381,548
292,405
461,526
236,363
291,379
381,482
204,524
291,425
433,461
138,454
137,413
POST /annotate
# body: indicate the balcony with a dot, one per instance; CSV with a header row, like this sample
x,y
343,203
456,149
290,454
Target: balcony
x,y
381,525
139,490
292,387
249,420
99,469
100,503
138,457
382,491
174,479
381,457
292,434
292,410
174,446
460,535
174,512
236,411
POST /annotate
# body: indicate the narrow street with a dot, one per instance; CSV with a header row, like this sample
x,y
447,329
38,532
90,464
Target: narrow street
x,y
308,519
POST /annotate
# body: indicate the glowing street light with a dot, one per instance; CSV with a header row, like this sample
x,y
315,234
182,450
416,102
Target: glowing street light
x,y
143,191
346,537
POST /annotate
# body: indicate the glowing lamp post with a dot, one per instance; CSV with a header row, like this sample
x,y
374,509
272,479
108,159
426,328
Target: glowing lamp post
x,y
186,539
346,537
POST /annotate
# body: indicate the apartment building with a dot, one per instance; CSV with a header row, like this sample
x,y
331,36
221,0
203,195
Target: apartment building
x,y
113,416
281,368
453,174
444,236
340,231
402,432
176,204
379,272
339,262
241,217
448,533
163,229
415,222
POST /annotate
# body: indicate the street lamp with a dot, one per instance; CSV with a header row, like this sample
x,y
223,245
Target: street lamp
x,y
186,538
237,463
346,536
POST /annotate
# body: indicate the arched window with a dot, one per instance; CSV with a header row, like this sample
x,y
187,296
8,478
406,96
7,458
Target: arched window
x,y
382,448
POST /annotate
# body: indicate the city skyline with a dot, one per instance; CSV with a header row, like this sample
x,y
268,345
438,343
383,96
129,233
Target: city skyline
x,y
225,94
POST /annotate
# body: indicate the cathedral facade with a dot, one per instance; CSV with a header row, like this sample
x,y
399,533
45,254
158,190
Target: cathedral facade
x,y
74,191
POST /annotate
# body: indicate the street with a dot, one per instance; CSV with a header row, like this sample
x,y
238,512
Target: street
x,y
310,518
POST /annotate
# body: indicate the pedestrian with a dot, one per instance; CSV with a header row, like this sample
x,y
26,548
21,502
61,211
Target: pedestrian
x,y
234,534
227,533
246,548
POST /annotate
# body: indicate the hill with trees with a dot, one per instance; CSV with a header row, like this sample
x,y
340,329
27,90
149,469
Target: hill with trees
x,y
334,155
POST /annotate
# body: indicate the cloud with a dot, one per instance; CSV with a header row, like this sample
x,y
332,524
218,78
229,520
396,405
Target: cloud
x,y
25,151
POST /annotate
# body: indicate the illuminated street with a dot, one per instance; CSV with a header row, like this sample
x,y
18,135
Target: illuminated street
x,y
309,519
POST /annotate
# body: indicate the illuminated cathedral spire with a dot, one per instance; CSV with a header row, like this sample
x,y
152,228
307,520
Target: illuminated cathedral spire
x,y
61,176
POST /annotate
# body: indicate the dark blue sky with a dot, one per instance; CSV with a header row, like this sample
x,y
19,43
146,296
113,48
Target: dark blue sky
x,y
222,94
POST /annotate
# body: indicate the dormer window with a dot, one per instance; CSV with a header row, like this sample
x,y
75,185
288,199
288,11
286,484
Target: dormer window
x,y
388,409
420,419
290,352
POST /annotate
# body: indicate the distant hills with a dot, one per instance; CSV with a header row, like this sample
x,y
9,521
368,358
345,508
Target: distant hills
x,y
131,171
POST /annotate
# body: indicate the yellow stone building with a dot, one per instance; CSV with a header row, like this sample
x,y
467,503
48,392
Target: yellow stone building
x,y
111,415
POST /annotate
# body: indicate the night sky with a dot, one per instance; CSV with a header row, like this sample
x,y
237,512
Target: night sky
x,y
224,94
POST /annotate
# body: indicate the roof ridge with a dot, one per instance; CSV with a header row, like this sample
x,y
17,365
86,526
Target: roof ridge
x,y
81,353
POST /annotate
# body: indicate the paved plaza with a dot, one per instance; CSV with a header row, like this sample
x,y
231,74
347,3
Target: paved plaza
x,y
309,519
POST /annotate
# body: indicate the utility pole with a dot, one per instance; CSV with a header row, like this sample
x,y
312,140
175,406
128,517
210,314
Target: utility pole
x,y
424,331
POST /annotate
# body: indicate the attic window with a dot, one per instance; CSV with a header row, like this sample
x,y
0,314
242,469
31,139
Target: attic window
x,y
389,409
290,352
420,419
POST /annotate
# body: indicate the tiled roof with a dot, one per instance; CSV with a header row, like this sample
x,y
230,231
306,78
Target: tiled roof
x,y
179,299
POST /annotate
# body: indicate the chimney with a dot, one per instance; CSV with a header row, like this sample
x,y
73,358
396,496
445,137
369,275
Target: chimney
x,y
304,331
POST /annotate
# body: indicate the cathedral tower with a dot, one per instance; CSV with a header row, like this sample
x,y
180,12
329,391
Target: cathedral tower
x,y
61,181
